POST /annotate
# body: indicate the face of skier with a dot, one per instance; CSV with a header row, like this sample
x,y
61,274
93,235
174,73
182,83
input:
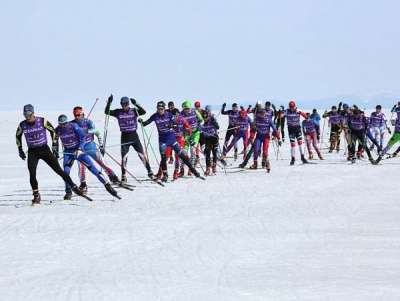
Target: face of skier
x,y
378,109
235,108
171,106
29,116
161,110
78,113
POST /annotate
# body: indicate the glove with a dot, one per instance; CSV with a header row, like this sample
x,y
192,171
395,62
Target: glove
x,y
140,120
340,104
224,105
54,150
389,131
78,153
110,98
21,153
102,150
280,142
133,101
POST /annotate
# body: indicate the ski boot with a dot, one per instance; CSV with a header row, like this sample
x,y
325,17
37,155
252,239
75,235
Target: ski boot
x,y
68,195
292,161
375,162
223,161
164,176
77,191
176,174
36,198
214,168
171,160
310,156
150,174
268,166
114,179
111,190
303,159
197,175
181,172
263,163
242,165
83,188
320,156
254,166
208,170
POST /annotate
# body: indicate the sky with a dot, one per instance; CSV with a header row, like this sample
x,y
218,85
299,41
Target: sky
x,y
58,54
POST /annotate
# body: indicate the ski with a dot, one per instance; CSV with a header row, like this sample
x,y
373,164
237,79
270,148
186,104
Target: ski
x,y
124,186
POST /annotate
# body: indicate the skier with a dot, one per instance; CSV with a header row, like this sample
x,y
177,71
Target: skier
x,y
335,124
358,125
200,145
209,130
127,120
292,115
241,132
262,125
73,142
34,129
166,137
309,127
378,126
193,117
180,127
233,115
279,120
90,147
396,135
316,118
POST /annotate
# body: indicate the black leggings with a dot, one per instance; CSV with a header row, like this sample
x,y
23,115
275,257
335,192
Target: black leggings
x,y
44,153
211,147
128,140
229,133
360,136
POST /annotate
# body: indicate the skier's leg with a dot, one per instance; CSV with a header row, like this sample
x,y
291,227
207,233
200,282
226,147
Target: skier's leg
x,y
87,161
137,145
33,161
124,159
68,161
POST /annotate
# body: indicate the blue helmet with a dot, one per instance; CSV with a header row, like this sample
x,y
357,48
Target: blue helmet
x,y
124,100
62,119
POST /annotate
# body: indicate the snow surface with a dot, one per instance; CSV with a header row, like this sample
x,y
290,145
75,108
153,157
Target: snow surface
x,y
327,231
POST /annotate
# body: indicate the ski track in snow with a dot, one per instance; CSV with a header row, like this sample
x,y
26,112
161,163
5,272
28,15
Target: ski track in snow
x,y
327,231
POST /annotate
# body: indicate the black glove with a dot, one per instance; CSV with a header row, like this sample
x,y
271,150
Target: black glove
x,y
394,107
21,153
140,120
280,142
224,105
340,104
102,150
133,101
110,98
390,132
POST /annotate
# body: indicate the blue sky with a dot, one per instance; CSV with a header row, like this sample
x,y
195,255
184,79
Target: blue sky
x,y
56,54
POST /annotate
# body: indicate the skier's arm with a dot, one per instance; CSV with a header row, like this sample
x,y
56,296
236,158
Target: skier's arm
x,y
91,128
81,136
326,114
215,123
48,126
223,111
18,136
148,121
139,108
304,115
108,110
200,118
303,128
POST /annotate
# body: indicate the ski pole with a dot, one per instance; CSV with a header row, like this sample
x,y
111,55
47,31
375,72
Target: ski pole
x,y
90,112
116,161
151,146
322,134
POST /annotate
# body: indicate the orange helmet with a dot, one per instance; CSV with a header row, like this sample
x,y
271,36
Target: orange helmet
x,y
197,104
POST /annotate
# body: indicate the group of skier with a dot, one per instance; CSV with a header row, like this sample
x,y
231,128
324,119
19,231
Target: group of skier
x,y
184,135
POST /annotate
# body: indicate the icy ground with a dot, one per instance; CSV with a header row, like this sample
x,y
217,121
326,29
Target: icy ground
x,y
326,231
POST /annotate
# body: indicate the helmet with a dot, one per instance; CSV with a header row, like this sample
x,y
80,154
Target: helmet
x,y
267,103
333,108
258,104
208,108
234,105
28,110
292,104
62,119
187,104
197,104
378,107
124,100
77,111
171,103
161,104
345,106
